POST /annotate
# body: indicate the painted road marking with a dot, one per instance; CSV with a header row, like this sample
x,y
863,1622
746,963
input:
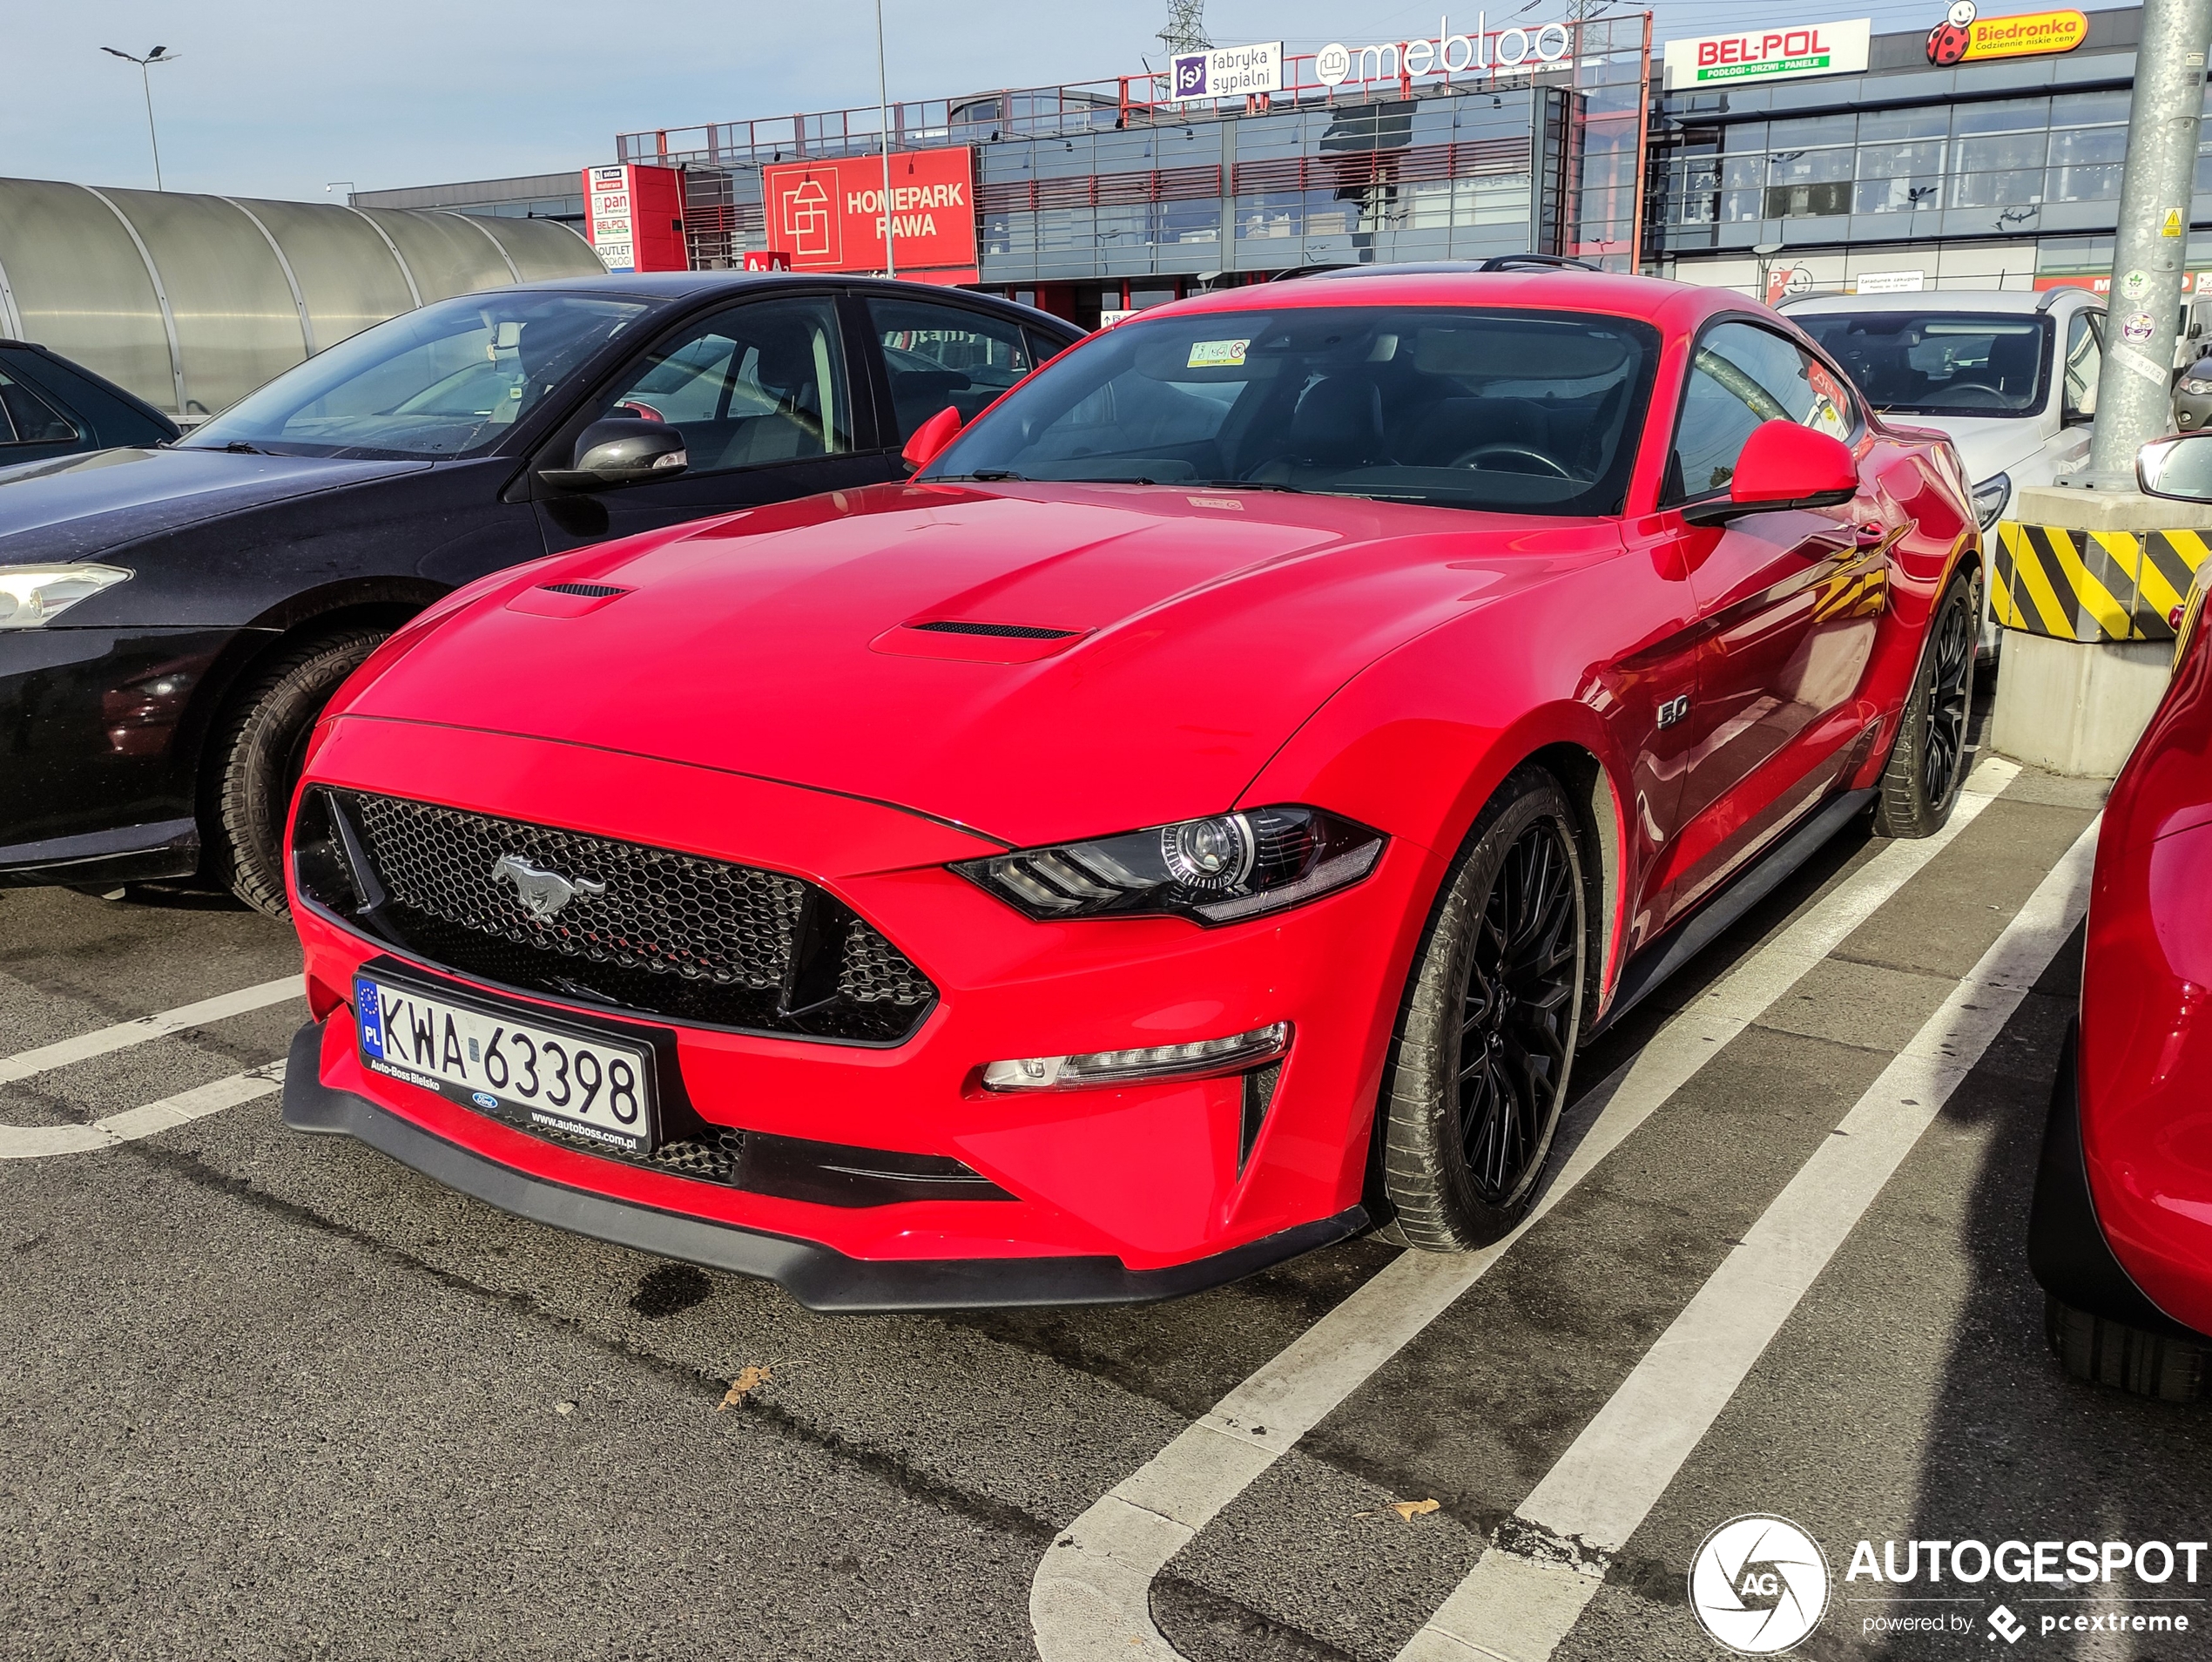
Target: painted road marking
x,y
1090,1596
1517,1607
122,1035
44,1141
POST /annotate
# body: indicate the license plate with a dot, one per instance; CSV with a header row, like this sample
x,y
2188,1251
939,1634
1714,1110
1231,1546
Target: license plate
x,y
499,1062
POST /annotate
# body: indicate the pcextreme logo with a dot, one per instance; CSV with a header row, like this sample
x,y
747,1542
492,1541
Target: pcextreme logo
x,y
1759,1584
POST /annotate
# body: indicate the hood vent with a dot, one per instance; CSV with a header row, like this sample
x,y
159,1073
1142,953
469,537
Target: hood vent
x,y
585,590
1001,632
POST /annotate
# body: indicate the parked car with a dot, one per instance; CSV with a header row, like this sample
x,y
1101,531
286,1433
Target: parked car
x,y
2010,376
2120,1236
2193,393
50,406
171,619
1017,883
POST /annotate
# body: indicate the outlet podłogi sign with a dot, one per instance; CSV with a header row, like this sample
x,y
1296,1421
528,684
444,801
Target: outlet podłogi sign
x,y
830,215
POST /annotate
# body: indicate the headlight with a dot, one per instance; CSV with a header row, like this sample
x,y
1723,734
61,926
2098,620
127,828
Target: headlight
x,y
29,595
2198,387
1220,869
1990,497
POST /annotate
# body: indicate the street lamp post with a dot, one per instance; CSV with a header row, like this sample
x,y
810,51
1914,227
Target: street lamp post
x,y
159,55
883,119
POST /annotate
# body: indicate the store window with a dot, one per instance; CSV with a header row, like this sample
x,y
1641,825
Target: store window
x,y
1741,377
749,387
938,354
1904,177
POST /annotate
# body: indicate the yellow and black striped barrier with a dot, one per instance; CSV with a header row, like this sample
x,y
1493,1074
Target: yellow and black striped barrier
x,y
2092,585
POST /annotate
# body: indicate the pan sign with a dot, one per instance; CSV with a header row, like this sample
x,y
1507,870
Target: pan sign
x,y
1965,38
829,215
1783,54
1229,72
634,217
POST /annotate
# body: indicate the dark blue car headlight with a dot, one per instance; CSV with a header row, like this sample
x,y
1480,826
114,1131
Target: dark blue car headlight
x,y
1220,869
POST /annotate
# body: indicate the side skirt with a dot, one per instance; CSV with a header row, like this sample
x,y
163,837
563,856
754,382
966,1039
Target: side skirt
x,y
1661,958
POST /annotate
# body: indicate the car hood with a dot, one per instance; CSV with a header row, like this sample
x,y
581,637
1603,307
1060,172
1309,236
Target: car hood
x,y
1200,629
80,507
1986,444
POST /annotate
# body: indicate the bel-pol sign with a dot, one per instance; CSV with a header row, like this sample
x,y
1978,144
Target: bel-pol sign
x,y
1782,54
1229,72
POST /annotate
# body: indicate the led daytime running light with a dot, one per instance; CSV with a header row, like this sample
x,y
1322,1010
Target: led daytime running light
x,y
1146,1065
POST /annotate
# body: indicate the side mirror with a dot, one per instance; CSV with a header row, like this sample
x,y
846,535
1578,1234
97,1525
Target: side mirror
x,y
2179,468
930,439
1783,465
621,450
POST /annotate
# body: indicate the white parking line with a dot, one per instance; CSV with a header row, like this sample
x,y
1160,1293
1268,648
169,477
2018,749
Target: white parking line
x,y
1517,1607
122,1035
1090,1596
44,1141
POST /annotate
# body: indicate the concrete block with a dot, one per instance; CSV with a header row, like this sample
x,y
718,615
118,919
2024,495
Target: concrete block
x,y
2076,707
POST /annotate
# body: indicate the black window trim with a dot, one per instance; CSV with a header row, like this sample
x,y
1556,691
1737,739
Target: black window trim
x,y
54,407
1668,499
959,299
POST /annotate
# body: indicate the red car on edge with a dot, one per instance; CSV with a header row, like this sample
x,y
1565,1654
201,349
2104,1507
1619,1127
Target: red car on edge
x,y
2120,1235
1197,817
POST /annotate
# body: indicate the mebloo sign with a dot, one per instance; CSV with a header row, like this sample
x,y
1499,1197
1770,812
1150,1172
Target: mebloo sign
x,y
1482,53
829,215
1784,53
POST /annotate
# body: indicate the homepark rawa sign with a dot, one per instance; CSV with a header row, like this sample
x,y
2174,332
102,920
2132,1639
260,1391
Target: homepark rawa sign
x,y
1784,53
1480,52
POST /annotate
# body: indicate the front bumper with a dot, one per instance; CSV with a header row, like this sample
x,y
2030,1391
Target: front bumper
x,y
99,732
1145,1190
818,1277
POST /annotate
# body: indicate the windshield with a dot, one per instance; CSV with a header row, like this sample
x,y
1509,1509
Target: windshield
x,y
1521,411
1944,363
449,380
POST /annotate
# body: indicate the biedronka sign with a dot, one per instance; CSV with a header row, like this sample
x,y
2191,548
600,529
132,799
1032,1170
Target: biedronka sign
x,y
1785,54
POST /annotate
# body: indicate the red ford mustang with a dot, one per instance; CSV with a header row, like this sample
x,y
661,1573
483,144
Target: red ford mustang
x,y
1198,817
2120,1236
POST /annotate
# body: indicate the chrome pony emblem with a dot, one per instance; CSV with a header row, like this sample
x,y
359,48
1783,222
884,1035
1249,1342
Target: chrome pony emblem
x,y
543,893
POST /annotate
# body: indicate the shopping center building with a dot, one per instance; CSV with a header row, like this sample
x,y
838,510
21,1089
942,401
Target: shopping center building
x,y
1860,157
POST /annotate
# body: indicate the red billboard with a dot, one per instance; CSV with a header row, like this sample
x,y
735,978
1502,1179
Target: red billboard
x,y
634,216
829,215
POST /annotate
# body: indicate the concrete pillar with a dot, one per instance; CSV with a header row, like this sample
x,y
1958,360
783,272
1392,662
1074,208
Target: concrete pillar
x,y
2083,590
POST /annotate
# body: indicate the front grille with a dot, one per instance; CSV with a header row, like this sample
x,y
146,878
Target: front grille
x,y
791,1168
592,919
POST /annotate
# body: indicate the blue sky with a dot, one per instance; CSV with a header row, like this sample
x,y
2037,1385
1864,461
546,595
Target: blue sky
x,y
270,99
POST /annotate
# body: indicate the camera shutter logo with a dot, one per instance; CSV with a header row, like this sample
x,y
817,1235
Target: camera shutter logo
x,y
1759,1584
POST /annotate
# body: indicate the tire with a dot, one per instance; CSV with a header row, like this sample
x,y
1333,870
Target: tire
x,y
2105,1352
1463,1137
1927,763
258,754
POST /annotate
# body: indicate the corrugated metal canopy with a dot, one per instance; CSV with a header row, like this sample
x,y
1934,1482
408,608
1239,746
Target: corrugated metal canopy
x,y
193,301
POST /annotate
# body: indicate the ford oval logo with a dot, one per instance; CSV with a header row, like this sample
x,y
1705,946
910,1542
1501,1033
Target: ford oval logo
x,y
483,1100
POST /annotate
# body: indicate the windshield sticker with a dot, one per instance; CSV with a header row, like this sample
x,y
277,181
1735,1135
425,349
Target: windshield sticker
x,y
1217,355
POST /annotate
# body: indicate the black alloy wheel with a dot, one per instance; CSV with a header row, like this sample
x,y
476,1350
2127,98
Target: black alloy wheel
x,y
1927,765
1513,1029
1487,1038
1950,691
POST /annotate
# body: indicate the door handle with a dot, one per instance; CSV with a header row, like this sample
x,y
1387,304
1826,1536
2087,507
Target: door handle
x,y
1870,537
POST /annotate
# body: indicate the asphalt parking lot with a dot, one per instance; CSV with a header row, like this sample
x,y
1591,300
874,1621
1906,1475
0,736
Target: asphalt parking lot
x,y
271,1396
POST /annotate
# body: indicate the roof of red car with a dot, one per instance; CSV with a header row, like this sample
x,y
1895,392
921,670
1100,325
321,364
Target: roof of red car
x,y
1651,298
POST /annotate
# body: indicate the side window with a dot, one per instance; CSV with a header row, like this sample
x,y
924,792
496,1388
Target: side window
x,y
1742,376
751,386
2084,363
938,355
25,418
